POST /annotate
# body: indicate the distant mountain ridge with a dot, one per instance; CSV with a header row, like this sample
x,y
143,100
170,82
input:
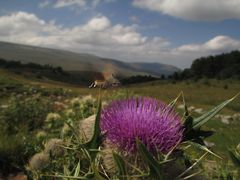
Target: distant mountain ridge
x,y
71,61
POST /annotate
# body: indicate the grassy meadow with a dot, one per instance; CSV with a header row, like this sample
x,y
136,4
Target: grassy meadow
x,y
39,98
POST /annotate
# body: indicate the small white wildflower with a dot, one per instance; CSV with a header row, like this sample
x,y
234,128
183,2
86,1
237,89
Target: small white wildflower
x,y
65,130
53,117
87,98
69,112
75,102
41,135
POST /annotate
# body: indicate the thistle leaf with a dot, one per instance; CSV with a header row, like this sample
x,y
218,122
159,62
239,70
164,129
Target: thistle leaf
x,y
198,122
191,167
235,159
172,104
120,166
204,148
156,170
95,141
186,113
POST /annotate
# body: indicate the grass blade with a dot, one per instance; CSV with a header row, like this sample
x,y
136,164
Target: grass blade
x,y
120,166
77,170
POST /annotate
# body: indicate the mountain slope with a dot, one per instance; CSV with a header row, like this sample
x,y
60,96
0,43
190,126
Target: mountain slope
x,y
155,68
71,61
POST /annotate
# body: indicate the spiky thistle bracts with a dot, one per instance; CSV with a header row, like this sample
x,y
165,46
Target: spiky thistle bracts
x,y
146,119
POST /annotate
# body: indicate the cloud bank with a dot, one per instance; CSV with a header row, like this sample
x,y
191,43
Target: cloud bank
x,y
99,36
195,10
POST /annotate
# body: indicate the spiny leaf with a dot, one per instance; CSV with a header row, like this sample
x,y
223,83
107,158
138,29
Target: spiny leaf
x,y
95,141
235,159
186,113
191,167
188,123
156,171
172,104
204,148
120,166
198,122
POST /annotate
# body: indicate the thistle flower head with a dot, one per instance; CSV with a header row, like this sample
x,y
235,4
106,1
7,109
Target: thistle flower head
x,y
88,98
54,147
152,122
86,127
69,113
238,148
39,161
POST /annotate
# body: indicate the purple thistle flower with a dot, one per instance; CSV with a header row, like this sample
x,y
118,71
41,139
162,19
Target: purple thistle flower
x,y
155,124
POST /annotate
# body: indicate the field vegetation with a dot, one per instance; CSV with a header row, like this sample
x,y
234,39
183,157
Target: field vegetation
x,y
36,111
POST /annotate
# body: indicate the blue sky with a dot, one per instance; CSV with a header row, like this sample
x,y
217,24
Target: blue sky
x,y
167,31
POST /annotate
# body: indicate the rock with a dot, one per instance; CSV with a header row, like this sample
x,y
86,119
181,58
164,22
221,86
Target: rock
x,y
181,106
199,111
225,121
209,144
236,116
191,108
19,176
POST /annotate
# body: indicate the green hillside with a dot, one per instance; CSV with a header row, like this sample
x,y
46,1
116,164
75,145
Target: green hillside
x,y
71,61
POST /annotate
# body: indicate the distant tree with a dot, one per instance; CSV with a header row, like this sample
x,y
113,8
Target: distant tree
x,y
226,65
162,76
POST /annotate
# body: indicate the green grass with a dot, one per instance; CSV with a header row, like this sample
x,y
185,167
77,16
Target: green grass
x,y
196,94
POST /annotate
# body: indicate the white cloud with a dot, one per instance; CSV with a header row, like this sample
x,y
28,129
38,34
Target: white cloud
x,y
73,4
95,3
199,10
44,4
218,44
135,19
69,3
98,24
99,36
